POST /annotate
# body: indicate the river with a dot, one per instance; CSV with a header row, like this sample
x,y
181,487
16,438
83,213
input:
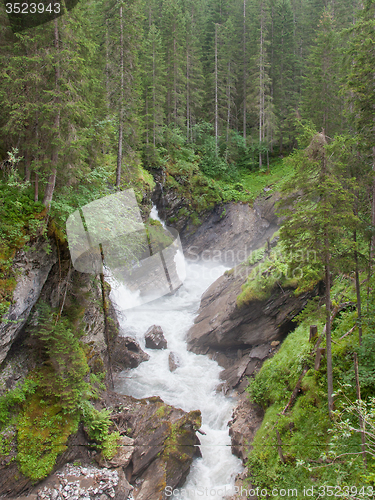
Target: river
x,y
191,386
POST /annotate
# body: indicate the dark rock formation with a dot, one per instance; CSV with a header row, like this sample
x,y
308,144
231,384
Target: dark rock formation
x,y
159,453
155,338
246,420
173,361
32,269
231,232
222,326
227,234
127,353
164,444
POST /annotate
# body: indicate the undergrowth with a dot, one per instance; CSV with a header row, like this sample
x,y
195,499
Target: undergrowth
x,y
316,451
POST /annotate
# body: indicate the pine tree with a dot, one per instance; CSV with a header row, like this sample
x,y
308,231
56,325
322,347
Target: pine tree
x,y
319,217
361,85
154,89
321,102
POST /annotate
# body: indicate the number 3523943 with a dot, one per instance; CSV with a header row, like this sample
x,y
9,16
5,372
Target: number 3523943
x,y
32,8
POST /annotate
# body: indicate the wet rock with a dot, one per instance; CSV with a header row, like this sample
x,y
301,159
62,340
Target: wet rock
x,y
123,488
165,443
122,457
222,326
233,374
246,420
173,361
261,351
32,269
229,233
155,338
127,353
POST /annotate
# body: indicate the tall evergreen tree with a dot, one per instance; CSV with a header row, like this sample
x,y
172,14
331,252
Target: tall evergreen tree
x,y
321,102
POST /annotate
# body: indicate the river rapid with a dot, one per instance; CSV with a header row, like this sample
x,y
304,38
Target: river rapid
x,y
191,386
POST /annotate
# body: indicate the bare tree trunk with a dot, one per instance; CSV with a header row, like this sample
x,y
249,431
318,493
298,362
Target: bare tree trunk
x,y
216,92
361,421
358,289
244,69
175,73
27,166
153,92
373,206
228,98
121,104
261,86
107,63
187,93
36,187
328,330
50,187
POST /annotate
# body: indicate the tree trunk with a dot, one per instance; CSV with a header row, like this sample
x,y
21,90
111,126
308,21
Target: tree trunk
x,y
175,69
244,69
362,423
228,99
153,93
216,92
121,105
328,330
187,93
358,289
36,187
261,86
373,206
50,187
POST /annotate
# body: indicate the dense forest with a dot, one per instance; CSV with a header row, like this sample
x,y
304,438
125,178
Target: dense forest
x,y
218,99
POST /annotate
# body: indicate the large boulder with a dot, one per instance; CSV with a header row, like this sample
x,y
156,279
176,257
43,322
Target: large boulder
x,y
223,326
165,444
155,338
231,232
127,353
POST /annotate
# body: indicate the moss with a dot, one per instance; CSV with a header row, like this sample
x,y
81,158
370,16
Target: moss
x,y
43,429
277,269
306,439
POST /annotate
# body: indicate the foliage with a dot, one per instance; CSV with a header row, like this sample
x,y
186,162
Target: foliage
x,y
21,219
13,400
42,432
97,424
278,268
314,455
65,365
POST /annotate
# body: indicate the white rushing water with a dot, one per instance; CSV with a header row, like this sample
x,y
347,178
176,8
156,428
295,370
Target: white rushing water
x,y
191,386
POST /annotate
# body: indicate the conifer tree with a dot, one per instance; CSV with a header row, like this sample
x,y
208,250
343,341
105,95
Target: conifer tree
x,y
320,214
361,84
321,101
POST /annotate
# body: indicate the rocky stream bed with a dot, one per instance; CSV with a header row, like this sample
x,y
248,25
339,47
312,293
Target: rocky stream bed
x,y
159,442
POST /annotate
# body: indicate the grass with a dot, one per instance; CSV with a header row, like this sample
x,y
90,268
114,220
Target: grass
x,y
308,437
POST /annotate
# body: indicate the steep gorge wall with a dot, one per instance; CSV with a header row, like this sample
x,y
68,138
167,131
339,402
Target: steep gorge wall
x,y
167,435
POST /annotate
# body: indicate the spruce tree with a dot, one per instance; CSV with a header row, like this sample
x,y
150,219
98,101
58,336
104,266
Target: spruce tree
x,y
318,220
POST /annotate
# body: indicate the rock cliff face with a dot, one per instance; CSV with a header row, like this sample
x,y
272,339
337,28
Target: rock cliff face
x,y
163,439
32,269
231,232
227,234
222,326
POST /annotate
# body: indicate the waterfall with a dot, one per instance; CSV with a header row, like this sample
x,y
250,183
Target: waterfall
x,y
191,386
